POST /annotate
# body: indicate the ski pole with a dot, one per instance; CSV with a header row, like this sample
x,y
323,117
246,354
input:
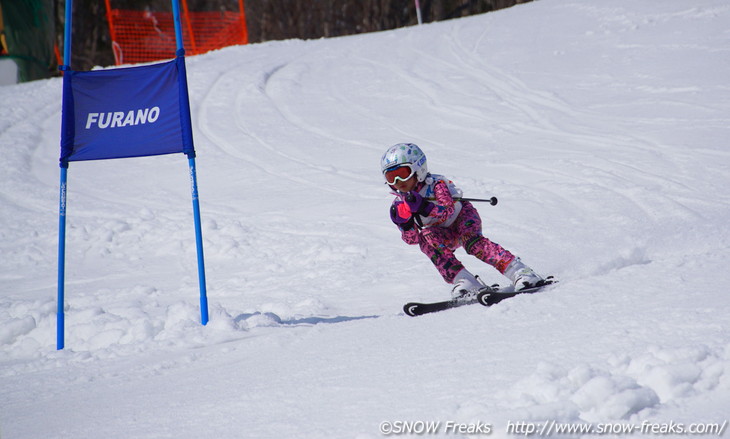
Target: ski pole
x,y
492,201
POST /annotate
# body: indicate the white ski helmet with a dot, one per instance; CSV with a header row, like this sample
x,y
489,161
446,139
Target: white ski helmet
x,y
405,154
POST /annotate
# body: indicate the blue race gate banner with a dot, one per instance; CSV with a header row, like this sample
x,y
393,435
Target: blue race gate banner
x,y
127,112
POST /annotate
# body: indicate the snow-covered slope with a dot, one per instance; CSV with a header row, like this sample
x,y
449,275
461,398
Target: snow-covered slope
x,y
601,126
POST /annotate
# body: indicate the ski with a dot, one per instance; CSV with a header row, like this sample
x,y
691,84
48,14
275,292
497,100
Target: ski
x,y
488,296
417,308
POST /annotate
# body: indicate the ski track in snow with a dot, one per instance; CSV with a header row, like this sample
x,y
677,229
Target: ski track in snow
x,y
601,127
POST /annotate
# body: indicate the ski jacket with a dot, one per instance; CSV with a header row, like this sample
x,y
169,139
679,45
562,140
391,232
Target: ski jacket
x,y
440,191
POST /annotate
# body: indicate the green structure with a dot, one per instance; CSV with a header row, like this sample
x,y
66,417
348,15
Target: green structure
x,y
27,36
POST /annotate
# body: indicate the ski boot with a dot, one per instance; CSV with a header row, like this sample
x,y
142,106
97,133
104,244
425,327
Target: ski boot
x,y
466,285
522,276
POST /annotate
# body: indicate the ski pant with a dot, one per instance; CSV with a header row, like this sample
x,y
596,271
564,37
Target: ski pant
x,y
439,243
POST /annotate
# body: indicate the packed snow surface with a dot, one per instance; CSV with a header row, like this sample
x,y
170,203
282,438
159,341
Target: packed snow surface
x,y
601,126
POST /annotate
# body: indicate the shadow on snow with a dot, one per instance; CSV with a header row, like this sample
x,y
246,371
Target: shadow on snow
x,y
261,319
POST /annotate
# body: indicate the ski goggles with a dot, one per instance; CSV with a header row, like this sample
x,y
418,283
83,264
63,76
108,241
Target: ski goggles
x,y
400,172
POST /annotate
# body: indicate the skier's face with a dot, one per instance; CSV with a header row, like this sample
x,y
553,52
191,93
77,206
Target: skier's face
x,y
401,177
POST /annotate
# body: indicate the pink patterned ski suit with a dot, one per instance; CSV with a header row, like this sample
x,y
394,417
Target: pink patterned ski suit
x,y
450,225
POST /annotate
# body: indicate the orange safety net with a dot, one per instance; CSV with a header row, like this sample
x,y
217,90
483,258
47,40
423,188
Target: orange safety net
x,y
143,36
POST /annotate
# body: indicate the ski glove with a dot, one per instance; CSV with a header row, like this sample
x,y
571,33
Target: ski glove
x,y
401,215
417,204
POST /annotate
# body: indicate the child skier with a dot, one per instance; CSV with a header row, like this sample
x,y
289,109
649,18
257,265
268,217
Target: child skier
x,y
427,214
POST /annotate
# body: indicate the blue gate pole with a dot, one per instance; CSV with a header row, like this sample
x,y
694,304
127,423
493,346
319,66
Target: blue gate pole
x,y
190,152
199,243
178,26
60,316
